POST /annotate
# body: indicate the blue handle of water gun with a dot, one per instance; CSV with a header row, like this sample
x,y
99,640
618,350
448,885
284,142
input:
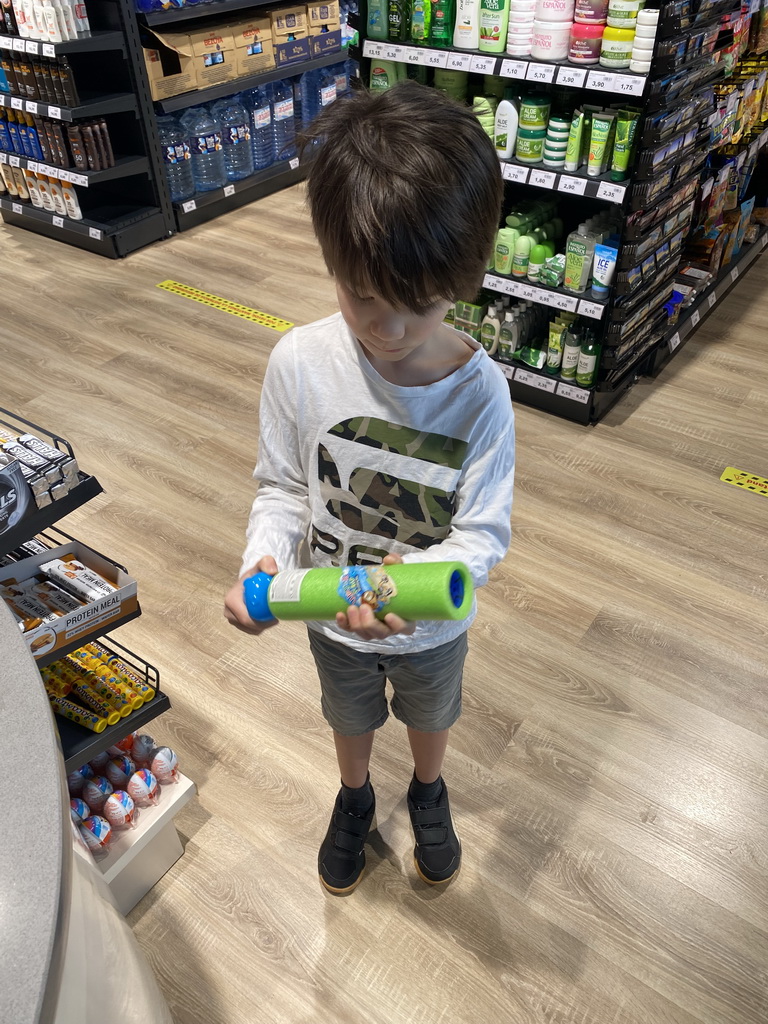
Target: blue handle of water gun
x,y
256,597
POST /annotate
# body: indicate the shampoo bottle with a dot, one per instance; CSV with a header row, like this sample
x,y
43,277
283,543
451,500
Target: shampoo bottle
x,y
579,254
505,250
377,19
505,127
489,330
421,18
508,336
586,368
466,34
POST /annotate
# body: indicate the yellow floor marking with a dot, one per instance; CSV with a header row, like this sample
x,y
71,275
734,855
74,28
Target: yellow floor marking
x,y
747,481
273,322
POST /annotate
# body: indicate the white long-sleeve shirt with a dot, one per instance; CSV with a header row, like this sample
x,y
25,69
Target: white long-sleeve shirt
x,y
352,467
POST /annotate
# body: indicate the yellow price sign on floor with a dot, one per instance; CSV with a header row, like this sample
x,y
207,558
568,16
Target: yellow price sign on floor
x,y
245,312
747,481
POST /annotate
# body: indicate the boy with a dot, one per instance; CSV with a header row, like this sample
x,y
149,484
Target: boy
x,y
386,437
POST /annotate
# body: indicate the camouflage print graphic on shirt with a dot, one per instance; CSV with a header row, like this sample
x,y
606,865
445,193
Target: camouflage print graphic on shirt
x,y
394,508
392,437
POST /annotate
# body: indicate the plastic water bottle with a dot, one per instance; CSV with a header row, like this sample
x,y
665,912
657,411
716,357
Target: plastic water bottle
x,y
282,120
236,137
205,145
259,103
177,159
318,90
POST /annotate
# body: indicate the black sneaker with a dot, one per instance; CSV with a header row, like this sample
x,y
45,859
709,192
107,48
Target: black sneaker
x,y
437,854
341,860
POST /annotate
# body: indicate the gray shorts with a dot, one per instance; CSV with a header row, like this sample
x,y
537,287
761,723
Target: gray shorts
x,y
427,685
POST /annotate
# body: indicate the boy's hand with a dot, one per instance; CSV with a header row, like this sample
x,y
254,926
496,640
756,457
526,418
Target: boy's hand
x,y
364,623
234,603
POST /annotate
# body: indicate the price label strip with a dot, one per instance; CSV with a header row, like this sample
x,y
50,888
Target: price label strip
x,y
573,186
542,73
574,77
514,68
613,193
573,393
747,481
245,312
513,172
533,380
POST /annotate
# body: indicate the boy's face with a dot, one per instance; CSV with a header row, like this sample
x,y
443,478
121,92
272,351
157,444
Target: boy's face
x,y
384,332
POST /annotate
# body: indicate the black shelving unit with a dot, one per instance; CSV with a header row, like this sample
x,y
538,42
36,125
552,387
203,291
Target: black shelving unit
x,y
79,745
43,518
216,92
194,11
658,195
207,205
125,207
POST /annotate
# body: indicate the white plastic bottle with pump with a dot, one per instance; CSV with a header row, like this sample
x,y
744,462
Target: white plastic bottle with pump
x,y
505,126
466,34
490,328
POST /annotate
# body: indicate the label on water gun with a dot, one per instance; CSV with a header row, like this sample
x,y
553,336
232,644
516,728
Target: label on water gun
x,y
361,585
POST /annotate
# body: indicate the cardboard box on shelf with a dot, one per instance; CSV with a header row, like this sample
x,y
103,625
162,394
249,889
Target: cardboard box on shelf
x,y
170,65
322,14
100,612
253,45
213,49
325,38
291,35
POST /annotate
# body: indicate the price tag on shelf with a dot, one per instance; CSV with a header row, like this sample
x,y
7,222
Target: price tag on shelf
x,y
63,175
2,100
189,206
527,292
483,65
79,179
54,112
6,42
508,371
752,149
32,46
600,80
629,85
508,287
543,179
48,50
574,77
695,317
706,188
512,172
459,61
3,158
436,58
674,341
593,309
564,302
17,208
573,186
95,233
573,393
14,161
368,47
16,103
32,166
374,50
392,52
19,44
31,107
58,222
541,296
514,68
734,273
533,380
413,55
541,73
613,193
229,190
711,299
294,163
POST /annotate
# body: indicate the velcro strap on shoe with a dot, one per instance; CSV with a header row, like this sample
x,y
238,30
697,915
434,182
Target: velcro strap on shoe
x,y
351,823
430,836
352,844
428,816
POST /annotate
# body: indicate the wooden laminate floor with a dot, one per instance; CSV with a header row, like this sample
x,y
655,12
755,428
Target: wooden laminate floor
x,y
610,772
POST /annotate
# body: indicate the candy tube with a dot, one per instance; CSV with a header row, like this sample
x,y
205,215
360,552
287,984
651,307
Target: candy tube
x,y
67,709
95,703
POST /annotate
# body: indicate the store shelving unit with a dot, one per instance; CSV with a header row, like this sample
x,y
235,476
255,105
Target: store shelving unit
x,y
80,745
661,190
126,206
191,12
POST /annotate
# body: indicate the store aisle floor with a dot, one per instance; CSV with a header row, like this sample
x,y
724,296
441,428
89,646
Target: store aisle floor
x,y
608,775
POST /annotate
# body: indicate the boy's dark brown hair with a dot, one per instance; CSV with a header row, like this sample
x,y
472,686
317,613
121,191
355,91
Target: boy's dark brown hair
x,y
405,194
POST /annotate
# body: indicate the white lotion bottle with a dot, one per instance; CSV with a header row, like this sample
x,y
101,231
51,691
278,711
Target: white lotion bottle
x,y
505,126
466,34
